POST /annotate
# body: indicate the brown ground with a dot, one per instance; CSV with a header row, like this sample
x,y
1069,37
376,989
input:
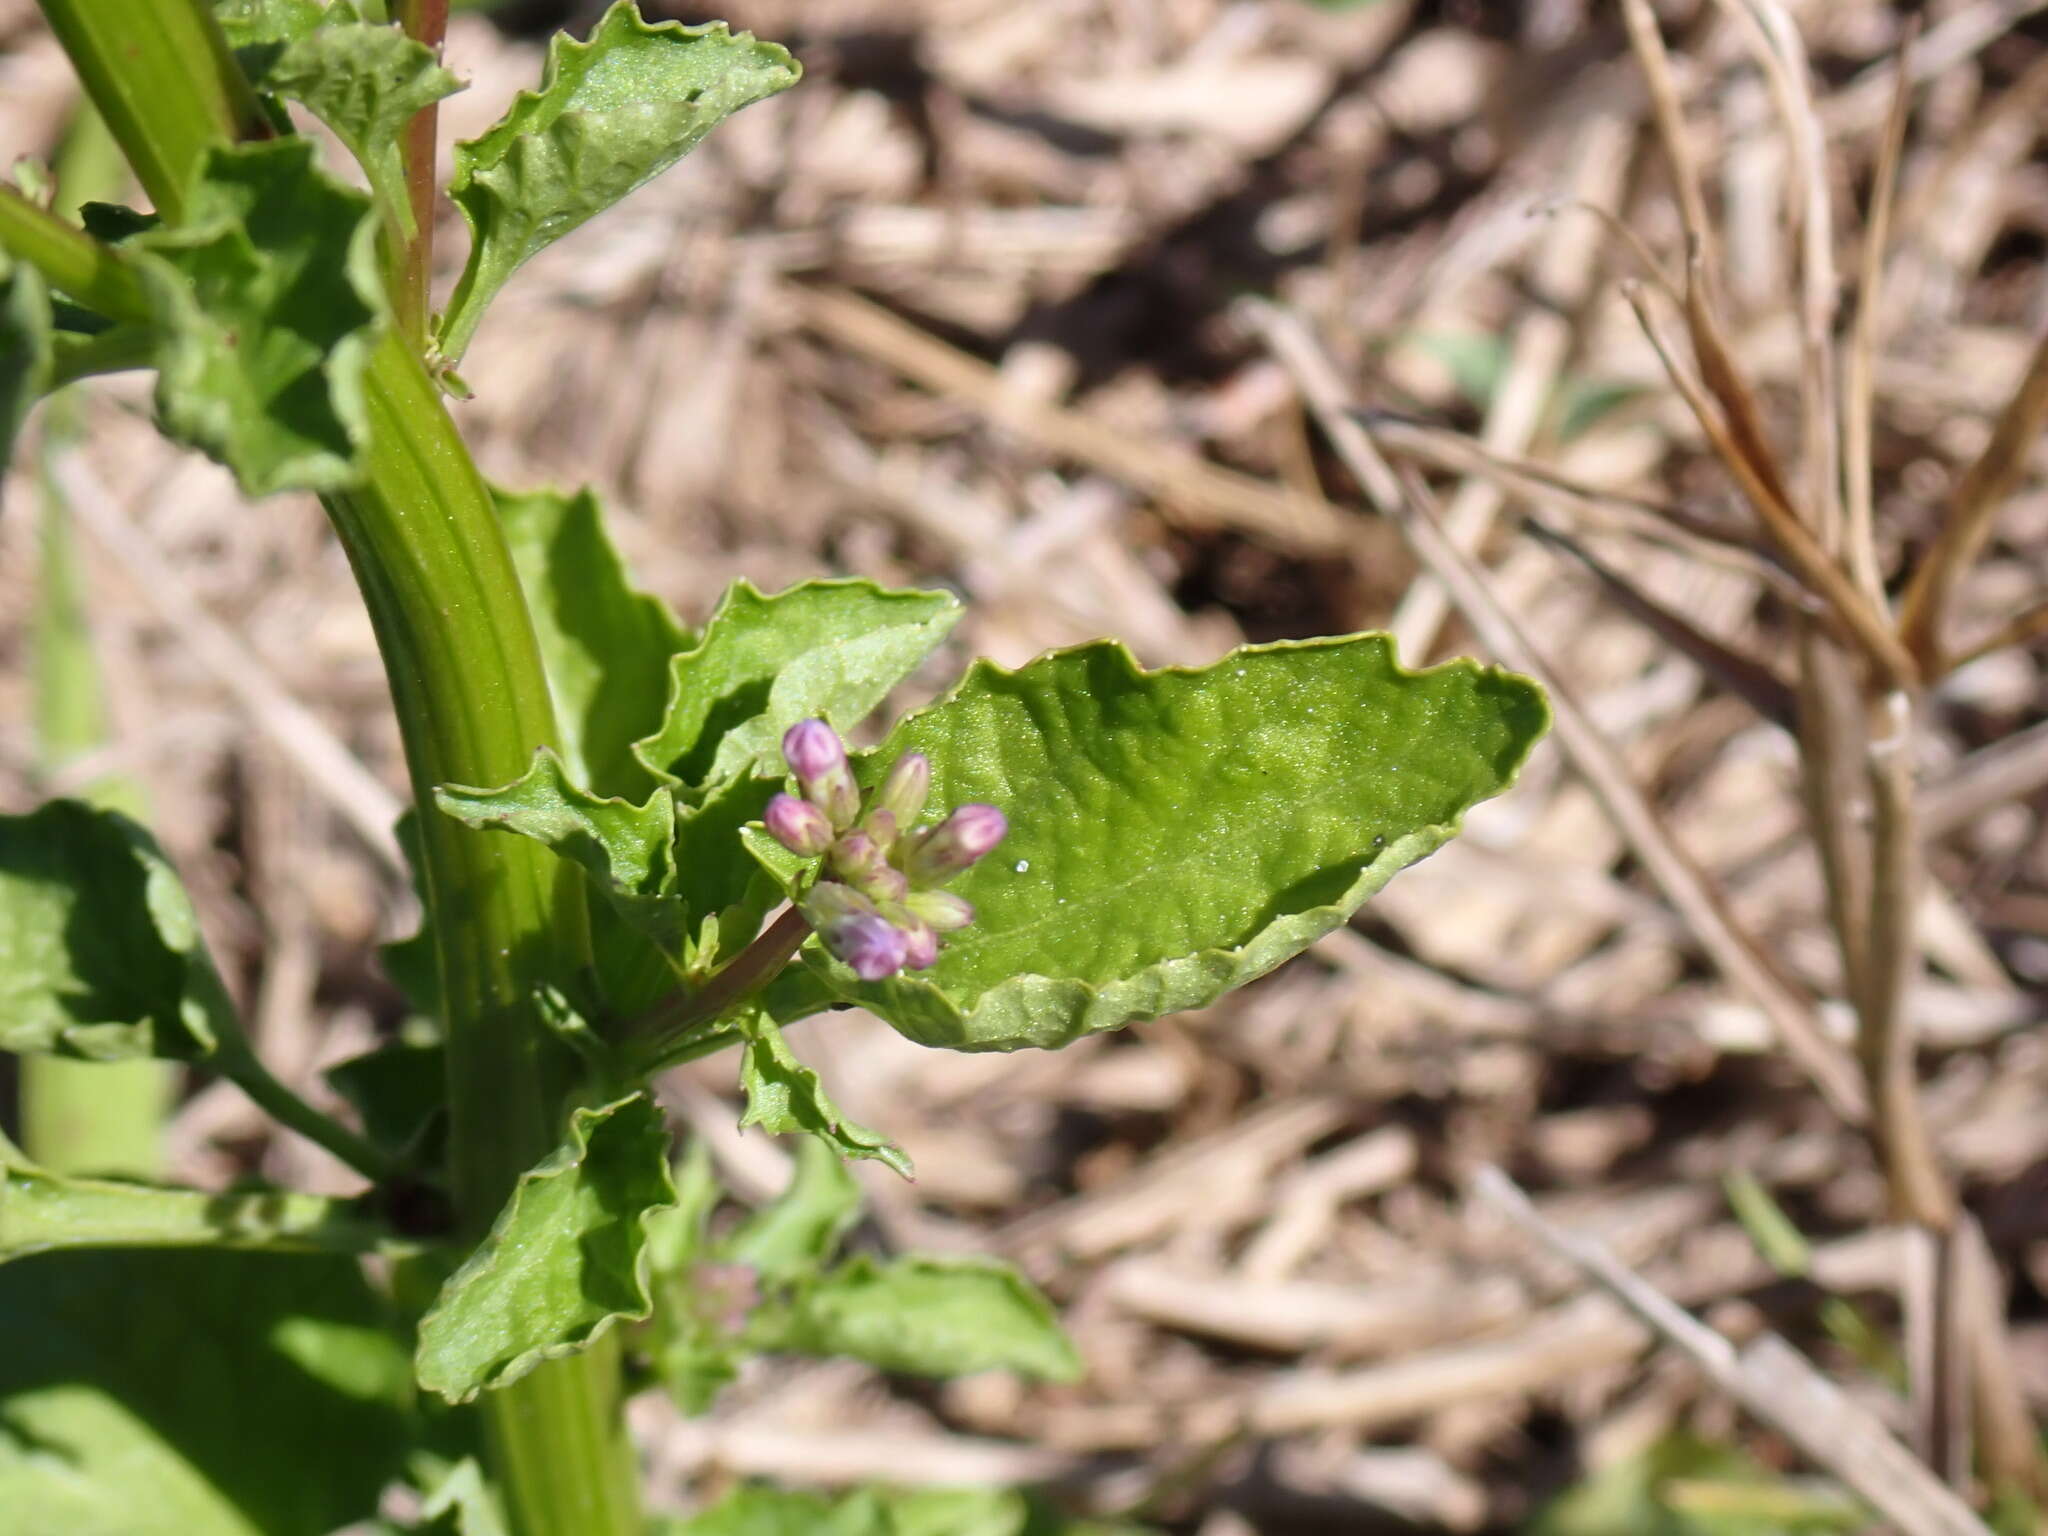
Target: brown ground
x,y
958,310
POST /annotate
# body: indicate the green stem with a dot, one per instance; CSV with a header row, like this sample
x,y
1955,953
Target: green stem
x,y
241,1066
40,1210
423,537
671,1033
115,351
72,260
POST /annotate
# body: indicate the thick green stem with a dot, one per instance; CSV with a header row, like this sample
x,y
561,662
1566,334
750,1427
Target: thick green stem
x,y
458,644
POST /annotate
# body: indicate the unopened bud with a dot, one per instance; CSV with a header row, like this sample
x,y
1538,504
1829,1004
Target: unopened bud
x,y
817,757
855,857
855,931
939,853
798,825
942,910
904,790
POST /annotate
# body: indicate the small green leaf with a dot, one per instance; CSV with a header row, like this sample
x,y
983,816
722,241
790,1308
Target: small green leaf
x,y
795,1235
25,347
612,113
924,1316
605,645
363,81
267,304
565,1260
462,1504
784,1097
248,22
1682,1486
196,1394
626,849
764,1512
1175,833
100,954
677,879
831,649
676,1234
400,1092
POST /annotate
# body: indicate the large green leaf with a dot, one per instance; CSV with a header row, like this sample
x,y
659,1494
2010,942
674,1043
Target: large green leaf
x,y
565,1260
829,649
924,1315
1175,833
363,81
267,304
195,1394
612,112
606,645
25,347
100,954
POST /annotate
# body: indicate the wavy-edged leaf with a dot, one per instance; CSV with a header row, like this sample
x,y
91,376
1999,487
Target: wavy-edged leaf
x,y
784,1097
564,1261
100,953
25,347
268,304
829,649
923,1315
1175,833
196,1394
612,112
605,644
677,878
365,82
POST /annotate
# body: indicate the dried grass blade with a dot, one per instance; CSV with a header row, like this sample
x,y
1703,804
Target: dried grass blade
x,y
1744,676
1966,525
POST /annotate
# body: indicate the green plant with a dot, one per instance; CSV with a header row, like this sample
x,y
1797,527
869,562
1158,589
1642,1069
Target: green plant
x,y
604,836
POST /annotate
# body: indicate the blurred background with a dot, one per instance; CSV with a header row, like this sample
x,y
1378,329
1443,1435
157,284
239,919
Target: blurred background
x,y
964,309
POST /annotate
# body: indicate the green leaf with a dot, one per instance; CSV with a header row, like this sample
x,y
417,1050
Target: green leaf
x,y
1682,1486
677,878
1175,833
784,1097
794,1236
763,1512
25,347
268,304
363,81
606,645
41,1212
565,1260
100,954
195,1394
612,113
924,1315
462,1504
400,1092
831,649
248,22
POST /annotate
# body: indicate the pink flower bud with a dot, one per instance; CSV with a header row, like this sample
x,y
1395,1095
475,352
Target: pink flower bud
x,y
798,825
938,853
812,749
817,757
855,931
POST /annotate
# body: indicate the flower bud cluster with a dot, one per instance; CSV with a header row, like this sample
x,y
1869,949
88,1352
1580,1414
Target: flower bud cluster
x,y
876,903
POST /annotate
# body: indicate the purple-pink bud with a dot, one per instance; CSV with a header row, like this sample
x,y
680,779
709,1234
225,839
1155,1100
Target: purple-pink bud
x,y
855,857
904,790
812,749
855,931
920,947
798,825
939,853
